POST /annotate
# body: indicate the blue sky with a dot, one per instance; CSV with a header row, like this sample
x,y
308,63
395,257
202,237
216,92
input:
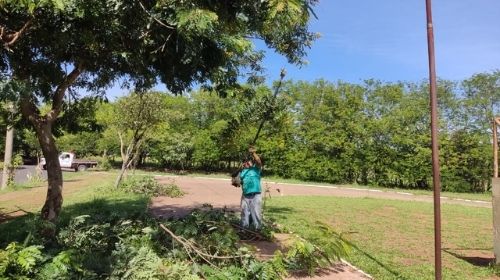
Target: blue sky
x,y
387,40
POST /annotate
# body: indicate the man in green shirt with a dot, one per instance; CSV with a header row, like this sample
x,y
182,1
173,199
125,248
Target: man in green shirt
x,y
251,199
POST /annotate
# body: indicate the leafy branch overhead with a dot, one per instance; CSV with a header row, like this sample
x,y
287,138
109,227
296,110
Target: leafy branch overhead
x,y
178,41
56,46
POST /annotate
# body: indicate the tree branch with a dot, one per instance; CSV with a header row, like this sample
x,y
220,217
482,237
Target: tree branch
x,y
136,153
29,110
189,246
58,98
122,146
155,19
9,39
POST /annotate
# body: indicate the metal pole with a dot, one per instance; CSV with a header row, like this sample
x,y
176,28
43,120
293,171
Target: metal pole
x,y
435,149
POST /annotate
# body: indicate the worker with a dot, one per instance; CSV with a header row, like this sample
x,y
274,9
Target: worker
x,y
251,199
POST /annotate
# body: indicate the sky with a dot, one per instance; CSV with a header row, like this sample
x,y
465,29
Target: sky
x,y
387,40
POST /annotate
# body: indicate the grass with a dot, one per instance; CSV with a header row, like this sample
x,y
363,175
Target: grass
x,y
85,193
394,239
391,239
67,175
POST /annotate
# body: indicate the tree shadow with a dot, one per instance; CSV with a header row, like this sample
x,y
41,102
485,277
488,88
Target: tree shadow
x,y
106,209
482,257
72,180
327,272
18,228
279,210
177,212
381,264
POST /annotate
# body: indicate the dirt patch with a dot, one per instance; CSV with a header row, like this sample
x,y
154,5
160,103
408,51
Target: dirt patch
x,y
264,250
220,194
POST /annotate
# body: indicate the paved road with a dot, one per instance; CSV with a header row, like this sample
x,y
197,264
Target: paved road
x,y
23,172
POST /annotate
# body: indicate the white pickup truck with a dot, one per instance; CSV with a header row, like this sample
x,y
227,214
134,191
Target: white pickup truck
x,y
69,161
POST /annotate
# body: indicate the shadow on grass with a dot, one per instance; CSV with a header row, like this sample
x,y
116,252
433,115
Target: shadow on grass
x,y
474,256
287,212
381,264
176,212
6,216
109,209
279,210
72,180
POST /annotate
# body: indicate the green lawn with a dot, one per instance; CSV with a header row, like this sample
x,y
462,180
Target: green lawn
x,y
391,239
88,193
67,175
394,239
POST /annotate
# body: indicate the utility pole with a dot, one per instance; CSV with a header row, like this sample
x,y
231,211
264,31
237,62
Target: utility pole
x,y
9,139
436,176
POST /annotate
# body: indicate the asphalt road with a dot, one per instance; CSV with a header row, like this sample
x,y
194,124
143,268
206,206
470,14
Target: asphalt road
x,y
23,172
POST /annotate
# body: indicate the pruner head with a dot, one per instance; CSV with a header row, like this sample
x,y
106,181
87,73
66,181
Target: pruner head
x,y
283,73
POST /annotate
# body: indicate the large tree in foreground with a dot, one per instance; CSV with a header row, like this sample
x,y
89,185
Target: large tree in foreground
x,y
56,47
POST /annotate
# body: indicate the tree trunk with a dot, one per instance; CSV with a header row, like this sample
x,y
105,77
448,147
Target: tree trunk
x,y
125,159
7,163
122,172
43,127
54,199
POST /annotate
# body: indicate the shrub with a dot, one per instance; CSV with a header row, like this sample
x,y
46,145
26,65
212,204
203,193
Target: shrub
x,y
150,187
104,164
203,245
86,235
20,262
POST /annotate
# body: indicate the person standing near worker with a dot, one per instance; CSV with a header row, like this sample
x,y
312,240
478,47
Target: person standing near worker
x,y
251,199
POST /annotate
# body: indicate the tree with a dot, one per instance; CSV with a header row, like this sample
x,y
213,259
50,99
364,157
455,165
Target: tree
x,y
171,144
132,118
481,101
55,46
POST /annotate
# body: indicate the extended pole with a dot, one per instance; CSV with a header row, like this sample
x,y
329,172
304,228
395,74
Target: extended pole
x,y
268,111
435,148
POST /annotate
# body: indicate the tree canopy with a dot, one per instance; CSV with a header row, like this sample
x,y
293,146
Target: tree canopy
x,y
86,46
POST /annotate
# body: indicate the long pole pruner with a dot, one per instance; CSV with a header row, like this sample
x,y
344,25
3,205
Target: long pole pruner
x,y
268,111
436,180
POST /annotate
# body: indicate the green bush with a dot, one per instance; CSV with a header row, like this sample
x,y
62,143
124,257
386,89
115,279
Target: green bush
x,y
136,247
105,164
18,261
150,187
86,235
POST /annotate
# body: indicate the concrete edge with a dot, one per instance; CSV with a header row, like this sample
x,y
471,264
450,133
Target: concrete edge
x,y
357,269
